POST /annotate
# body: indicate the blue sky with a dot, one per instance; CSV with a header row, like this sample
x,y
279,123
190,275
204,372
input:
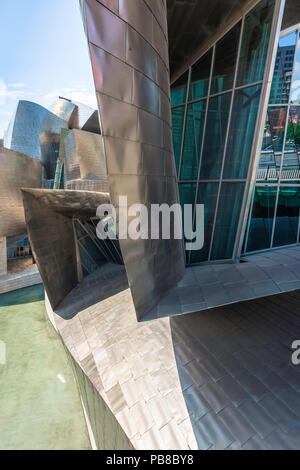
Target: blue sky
x,y
43,54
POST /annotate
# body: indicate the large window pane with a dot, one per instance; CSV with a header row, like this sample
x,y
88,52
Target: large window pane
x,y
277,122
207,195
255,43
287,217
269,167
261,222
293,130
295,98
187,193
281,84
200,77
241,134
179,90
291,163
192,140
271,155
295,120
290,168
215,135
225,60
227,220
177,123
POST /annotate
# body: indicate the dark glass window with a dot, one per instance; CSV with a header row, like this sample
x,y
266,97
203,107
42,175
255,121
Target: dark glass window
x,y
187,193
290,168
200,77
281,84
241,134
225,60
177,123
228,216
293,130
276,122
255,43
179,90
215,135
192,140
261,223
269,167
207,195
287,217
291,158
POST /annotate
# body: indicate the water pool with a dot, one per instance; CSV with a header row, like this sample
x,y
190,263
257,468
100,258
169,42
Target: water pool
x,y
40,406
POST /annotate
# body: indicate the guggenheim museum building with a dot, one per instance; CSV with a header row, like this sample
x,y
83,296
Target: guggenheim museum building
x,y
198,103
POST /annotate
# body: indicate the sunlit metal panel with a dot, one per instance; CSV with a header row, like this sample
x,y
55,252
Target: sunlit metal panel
x,y
129,53
16,171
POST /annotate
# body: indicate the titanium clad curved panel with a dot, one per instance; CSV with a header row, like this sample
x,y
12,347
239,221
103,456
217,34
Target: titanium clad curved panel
x,y
129,53
291,14
84,161
92,124
49,216
26,126
77,115
64,109
85,118
16,171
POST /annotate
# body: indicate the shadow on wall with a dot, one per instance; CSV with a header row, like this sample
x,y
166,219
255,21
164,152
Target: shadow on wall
x,y
90,290
236,373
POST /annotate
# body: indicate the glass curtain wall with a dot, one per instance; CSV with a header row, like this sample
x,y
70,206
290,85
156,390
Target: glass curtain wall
x,y
274,219
214,111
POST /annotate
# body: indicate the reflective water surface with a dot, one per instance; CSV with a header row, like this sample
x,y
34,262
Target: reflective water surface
x,y
40,407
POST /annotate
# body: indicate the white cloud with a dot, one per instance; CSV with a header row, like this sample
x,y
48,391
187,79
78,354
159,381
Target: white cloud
x,y
296,95
7,94
82,95
296,84
16,85
297,72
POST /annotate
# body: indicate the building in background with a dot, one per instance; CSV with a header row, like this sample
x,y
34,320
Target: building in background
x,y
32,155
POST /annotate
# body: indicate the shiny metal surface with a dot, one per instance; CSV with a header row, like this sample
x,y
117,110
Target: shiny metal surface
x,y
49,216
28,123
64,109
85,164
190,38
129,53
291,14
219,379
16,171
77,115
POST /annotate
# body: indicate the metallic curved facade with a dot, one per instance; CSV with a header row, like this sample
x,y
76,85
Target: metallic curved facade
x,y
85,164
77,115
64,109
29,121
49,215
128,44
16,171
